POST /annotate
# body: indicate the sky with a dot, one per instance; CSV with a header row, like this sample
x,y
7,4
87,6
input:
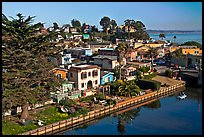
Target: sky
x,y
154,15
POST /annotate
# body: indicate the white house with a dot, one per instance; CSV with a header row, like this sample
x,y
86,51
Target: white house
x,y
85,76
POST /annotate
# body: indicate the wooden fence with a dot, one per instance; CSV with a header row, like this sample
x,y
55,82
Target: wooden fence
x,y
96,114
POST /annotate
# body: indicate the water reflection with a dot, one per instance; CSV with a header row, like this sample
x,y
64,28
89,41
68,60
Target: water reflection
x,y
170,117
125,118
154,105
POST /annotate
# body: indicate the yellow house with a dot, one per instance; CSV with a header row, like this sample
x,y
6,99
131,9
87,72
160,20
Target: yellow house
x,y
192,51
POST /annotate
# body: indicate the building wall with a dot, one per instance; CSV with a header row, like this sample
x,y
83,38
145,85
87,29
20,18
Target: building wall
x,y
63,73
67,87
78,80
182,61
154,45
105,78
192,51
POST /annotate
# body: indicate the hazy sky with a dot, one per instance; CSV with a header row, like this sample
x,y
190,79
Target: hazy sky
x,y
155,15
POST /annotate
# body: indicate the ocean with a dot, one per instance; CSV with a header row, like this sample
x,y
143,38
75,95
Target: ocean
x,y
180,37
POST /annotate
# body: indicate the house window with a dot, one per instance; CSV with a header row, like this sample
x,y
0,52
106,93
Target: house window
x,y
96,81
108,79
82,85
82,76
71,75
95,73
89,73
85,76
59,75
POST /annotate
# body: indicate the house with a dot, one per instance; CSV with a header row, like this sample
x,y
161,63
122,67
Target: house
x,y
129,71
43,30
60,72
85,77
107,77
73,30
140,64
160,52
79,52
96,46
187,60
66,60
67,90
108,51
106,62
132,55
191,50
86,36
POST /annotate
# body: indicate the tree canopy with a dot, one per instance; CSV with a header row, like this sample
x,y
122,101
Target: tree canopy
x,y
27,76
76,23
192,43
105,23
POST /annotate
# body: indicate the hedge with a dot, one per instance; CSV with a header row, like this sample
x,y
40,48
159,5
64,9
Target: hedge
x,y
149,84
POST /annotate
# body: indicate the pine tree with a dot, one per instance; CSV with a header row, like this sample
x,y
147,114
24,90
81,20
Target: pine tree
x,y
27,77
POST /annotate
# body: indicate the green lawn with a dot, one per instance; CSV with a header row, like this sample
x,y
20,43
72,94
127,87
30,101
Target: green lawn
x,y
49,116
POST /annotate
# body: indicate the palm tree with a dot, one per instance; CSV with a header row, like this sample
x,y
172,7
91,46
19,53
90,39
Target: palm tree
x,y
153,53
162,35
178,54
174,39
128,87
122,49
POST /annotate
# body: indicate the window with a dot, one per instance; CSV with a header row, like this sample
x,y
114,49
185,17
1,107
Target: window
x,y
85,76
71,75
59,75
82,85
89,73
96,82
95,73
82,76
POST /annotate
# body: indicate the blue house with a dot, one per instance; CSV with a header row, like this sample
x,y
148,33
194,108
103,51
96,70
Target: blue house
x,y
107,77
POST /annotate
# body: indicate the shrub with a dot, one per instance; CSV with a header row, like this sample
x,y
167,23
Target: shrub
x,y
149,84
168,73
150,76
100,96
67,102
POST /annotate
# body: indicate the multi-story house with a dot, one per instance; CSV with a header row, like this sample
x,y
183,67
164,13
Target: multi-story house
x,y
193,50
106,62
85,77
66,60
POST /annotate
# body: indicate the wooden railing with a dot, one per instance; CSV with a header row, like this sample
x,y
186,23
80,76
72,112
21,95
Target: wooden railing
x,y
95,114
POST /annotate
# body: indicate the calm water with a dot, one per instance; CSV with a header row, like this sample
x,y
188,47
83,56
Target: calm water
x,y
180,37
167,116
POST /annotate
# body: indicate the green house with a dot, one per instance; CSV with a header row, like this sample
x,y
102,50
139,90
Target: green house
x,y
86,36
67,91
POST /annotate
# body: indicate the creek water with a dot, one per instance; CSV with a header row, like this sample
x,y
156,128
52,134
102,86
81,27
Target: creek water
x,y
166,116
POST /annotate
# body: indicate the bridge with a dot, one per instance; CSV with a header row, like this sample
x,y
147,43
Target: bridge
x,y
190,75
189,72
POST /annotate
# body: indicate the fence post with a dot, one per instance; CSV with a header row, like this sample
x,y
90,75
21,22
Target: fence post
x,y
37,132
59,125
72,122
45,130
52,128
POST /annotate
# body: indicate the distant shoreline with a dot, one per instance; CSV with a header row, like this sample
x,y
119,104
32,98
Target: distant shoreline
x,y
174,31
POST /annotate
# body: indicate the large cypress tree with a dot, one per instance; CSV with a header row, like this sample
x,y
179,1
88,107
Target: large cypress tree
x,y
27,77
